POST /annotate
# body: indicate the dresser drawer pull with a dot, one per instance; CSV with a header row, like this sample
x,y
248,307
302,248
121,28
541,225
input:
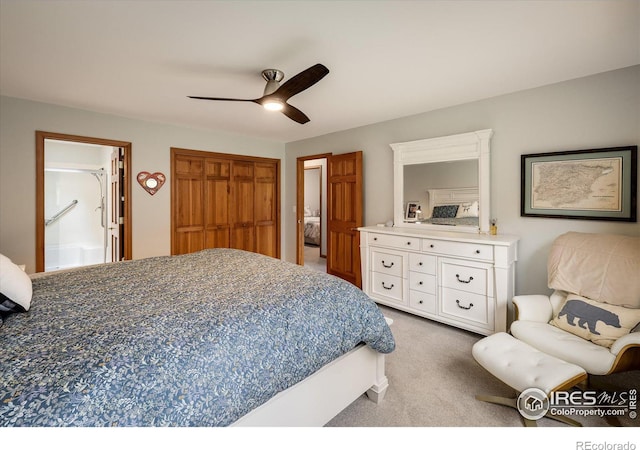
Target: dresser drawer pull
x,y
375,238
409,243
431,245
420,263
385,266
464,281
464,307
420,283
478,252
420,302
387,288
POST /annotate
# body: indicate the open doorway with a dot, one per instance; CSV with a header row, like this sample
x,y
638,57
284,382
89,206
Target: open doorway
x,y
344,213
82,201
315,214
312,201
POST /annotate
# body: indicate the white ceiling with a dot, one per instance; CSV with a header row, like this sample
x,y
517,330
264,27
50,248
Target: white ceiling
x,y
388,59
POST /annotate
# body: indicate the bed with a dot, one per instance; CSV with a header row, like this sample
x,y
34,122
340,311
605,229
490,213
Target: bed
x,y
312,230
453,207
214,338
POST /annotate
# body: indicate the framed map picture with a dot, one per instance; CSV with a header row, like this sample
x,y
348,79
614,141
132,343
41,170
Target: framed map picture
x,y
597,184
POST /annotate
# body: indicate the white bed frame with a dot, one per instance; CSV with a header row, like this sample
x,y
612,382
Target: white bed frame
x,y
320,397
454,196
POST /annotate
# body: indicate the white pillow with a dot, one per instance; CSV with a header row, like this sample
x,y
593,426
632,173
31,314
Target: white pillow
x,y
15,287
467,210
598,322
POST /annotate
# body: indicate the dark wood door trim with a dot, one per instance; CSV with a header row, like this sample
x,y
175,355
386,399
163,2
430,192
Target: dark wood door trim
x,y
41,136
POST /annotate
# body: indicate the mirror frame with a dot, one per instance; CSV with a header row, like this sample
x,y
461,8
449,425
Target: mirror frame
x,y
473,145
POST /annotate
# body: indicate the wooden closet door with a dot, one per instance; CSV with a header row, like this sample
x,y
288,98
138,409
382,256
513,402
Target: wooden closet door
x,y
188,211
243,234
266,211
217,204
224,200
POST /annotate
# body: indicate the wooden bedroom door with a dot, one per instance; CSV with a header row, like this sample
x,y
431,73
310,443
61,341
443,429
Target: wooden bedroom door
x,y
344,216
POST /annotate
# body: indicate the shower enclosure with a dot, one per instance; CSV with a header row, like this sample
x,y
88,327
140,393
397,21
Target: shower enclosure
x,y
75,217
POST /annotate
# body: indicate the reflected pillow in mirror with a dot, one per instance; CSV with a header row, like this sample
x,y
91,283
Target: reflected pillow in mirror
x,y
444,212
467,210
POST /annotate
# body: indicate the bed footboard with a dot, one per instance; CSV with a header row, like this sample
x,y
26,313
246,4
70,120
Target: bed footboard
x,y
317,399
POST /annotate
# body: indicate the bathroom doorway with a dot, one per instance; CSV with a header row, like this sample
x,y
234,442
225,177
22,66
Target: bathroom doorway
x,y
82,196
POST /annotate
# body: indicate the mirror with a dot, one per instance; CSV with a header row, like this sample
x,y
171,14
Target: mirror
x,y
448,178
151,182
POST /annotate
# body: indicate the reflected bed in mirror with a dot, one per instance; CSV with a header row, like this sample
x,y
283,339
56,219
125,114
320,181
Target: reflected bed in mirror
x,y
450,207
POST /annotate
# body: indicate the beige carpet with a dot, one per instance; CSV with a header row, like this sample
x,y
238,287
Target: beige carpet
x,y
433,380
313,260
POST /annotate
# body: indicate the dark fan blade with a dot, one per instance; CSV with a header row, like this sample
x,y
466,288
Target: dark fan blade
x,y
225,99
294,113
302,81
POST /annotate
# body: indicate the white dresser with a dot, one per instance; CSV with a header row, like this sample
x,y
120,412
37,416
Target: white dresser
x,y
461,279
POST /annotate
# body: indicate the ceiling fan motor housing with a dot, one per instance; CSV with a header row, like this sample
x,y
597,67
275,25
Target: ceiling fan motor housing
x,y
273,78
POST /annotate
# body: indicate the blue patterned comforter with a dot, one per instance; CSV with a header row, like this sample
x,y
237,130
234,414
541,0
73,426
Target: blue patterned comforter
x,y
190,340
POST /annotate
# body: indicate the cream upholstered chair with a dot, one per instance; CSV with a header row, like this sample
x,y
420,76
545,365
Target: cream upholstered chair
x,y
592,317
587,326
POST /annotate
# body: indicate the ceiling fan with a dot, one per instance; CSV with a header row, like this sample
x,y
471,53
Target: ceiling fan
x,y
275,96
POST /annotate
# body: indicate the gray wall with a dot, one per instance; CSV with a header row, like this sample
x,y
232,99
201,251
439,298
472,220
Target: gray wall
x,y
592,112
151,143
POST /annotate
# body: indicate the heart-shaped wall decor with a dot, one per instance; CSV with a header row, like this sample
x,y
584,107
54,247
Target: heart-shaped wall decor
x,y
151,182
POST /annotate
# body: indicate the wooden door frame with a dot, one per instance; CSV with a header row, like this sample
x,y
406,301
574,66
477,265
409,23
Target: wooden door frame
x,y
41,136
300,204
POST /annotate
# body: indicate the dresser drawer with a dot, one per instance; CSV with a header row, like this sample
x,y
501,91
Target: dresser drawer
x,y
387,286
422,282
387,240
472,308
422,301
422,263
465,277
386,262
464,249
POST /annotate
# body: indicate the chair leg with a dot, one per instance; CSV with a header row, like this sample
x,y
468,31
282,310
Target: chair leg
x,y
599,384
513,403
563,419
503,401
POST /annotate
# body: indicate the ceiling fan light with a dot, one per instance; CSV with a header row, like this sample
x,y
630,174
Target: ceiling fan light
x,y
273,105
